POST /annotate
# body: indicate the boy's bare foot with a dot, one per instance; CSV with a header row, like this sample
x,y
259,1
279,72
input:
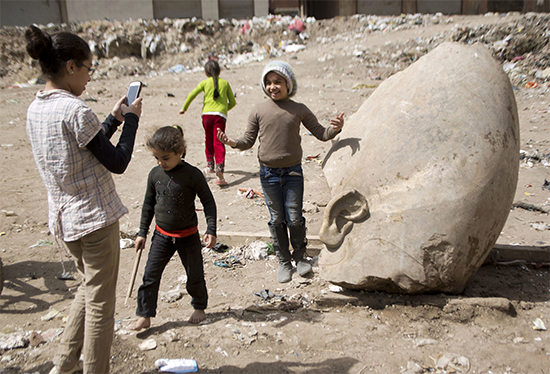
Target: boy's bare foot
x,y
141,323
197,316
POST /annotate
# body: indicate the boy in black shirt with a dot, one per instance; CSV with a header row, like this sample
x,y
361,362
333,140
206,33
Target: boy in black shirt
x,y
170,197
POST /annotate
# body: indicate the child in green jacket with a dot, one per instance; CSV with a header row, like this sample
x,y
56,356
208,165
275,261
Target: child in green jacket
x,y
218,100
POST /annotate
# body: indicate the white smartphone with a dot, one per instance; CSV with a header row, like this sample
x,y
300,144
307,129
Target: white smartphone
x,y
133,92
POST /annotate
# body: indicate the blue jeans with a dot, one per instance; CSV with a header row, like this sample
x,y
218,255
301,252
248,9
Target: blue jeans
x,y
162,249
284,194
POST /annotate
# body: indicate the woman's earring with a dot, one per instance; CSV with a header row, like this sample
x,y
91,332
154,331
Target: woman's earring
x,y
72,71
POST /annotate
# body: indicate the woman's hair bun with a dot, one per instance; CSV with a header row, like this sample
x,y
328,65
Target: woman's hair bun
x,y
38,42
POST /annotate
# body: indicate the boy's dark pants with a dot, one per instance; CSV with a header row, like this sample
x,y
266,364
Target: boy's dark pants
x,y
162,249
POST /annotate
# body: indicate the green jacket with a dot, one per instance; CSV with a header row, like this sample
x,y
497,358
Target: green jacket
x,y
221,105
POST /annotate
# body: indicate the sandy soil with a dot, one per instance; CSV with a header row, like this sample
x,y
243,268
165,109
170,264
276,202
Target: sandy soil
x,y
311,329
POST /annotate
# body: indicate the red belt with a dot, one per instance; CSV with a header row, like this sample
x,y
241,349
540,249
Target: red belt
x,y
179,233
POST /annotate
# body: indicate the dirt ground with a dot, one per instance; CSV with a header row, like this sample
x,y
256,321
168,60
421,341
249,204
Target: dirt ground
x,y
306,327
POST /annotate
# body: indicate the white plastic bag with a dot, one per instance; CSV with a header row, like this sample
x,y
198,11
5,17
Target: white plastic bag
x,y
176,365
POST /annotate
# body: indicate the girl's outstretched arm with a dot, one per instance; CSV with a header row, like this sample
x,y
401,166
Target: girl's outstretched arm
x,y
222,137
338,122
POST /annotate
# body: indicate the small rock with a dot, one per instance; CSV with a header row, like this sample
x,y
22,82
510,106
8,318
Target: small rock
x,y
171,336
148,345
171,296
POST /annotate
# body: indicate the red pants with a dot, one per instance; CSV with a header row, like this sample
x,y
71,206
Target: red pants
x,y
214,149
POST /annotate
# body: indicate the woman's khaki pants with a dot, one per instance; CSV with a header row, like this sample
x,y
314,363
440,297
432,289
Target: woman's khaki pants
x,y
90,325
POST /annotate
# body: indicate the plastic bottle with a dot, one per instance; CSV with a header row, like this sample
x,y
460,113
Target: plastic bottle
x,y
176,365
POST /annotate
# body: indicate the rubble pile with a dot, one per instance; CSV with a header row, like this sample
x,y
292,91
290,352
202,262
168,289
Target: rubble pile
x,y
522,45
141,47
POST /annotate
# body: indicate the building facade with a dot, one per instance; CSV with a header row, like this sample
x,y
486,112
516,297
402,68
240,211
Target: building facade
x,y
25,12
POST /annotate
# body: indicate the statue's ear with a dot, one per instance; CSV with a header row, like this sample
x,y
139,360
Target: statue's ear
x,y
341,212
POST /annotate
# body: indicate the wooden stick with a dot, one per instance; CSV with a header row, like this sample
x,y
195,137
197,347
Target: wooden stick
x,y
134,272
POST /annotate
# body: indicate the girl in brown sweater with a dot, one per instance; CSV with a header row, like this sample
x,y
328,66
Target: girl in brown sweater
x,y
276,125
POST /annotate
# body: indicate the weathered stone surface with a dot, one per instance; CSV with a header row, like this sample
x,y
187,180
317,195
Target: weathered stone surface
x,y
423,176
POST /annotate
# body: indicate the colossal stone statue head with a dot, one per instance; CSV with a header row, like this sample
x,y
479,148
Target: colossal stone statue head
x,y
423,176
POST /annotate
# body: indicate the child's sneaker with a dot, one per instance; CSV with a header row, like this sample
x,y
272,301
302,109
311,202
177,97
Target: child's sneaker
x,y
221,182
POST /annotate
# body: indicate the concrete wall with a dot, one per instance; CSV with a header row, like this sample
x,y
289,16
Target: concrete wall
x,y
261,8
434,6
78,10
177,9
210,9
379,7
347,7
236,8
26,12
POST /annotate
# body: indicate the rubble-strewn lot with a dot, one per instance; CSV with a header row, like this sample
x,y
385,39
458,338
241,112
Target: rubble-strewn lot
x,y
254,324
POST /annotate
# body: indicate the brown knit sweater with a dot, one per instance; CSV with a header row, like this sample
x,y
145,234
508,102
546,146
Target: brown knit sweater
x,y
277,126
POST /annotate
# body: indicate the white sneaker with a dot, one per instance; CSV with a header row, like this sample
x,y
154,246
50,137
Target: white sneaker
x,y
77,367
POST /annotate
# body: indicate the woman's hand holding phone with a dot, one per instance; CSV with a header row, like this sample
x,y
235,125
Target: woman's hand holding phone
x,y
120,108
135,107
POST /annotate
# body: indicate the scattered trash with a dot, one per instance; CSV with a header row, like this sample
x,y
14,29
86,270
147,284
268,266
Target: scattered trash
x,y
148,345
292,48
309,207
249,193
8,213
222,352
257,250
358,86
540,226
171,336
247,28
170,94
229,262
546,185
176,69
220,248
267,295
311,157
539,325
171,296
423,342
452,363
50,315
50,335
297,25
176,365
14,340
519,340
264,294
531,85
413,368
334,288
41,243
126,243
222,264
66,276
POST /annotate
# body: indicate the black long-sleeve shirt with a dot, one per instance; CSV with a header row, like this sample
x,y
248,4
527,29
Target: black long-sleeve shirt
x,y
170,198
115,158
